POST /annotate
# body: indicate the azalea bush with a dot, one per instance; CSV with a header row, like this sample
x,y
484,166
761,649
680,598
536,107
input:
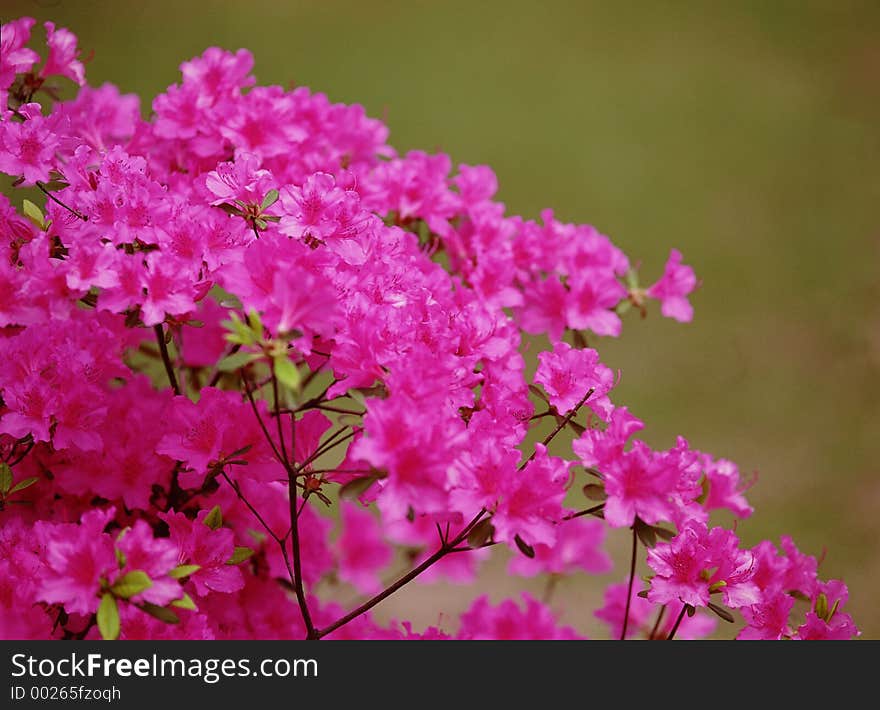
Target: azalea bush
x,y
250,356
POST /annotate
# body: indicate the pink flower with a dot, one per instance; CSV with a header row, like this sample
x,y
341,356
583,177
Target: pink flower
x,y
241,180
672,289
598,448
567,374
154,556
578,547
217,74
311,208
544,308
531,501
218,426
197,544
28,148
77,558
15,58
699,561
768,619
827,620
643,616
725,490
639,484
510,622
591,300
62,59
363,554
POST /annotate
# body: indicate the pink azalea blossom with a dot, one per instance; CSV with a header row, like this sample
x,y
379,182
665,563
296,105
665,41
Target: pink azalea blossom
x,y
699,561
643,616
210,550
579,546
28,148
363,553
63,53
672,289
15,58
511,622
568,375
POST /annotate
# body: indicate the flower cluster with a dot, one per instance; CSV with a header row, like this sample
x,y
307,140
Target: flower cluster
x,y
251,355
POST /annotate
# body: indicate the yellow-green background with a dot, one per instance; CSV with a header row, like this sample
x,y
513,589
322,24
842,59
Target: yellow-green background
x,y
747,134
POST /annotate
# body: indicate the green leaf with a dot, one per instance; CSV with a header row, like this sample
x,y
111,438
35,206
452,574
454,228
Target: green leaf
x,y
594,491
185,602
231,302
120,558
663,533
524,547
643,594
182,571
822,606
833,610
481,534
623,307
255,323
236,361
357,396
160,613
705,485
131,583
34,214
5,478
691,610
230,209
270,199
539,393
25,483
239,332
239,555
108,617
578,429
632,279
355,488
645,533
286,372
214,519
721,612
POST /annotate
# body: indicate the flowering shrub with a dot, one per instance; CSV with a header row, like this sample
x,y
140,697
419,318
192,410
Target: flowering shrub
x,y
248,310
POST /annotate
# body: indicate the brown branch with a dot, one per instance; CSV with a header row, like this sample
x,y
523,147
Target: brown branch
x,y
166,358
441,552
552,435
632,576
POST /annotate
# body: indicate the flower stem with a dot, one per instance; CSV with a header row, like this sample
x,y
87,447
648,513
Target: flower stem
x,y
441,552
75,213
552,435
166,358
677,623
632,576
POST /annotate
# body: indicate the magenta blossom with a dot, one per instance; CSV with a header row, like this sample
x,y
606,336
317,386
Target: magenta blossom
x,y
672,289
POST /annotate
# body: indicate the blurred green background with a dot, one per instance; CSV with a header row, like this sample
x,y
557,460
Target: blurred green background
x,y
747,134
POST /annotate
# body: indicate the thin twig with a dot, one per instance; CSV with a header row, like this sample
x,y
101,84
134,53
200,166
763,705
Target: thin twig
x,y
75,213
441,552
632,576
166,358
552,435
677,623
